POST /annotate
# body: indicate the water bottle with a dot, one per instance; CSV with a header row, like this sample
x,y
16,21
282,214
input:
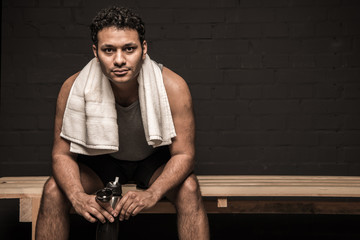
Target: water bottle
x,y
111,194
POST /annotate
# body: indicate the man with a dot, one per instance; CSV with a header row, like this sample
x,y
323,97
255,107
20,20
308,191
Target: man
x,y
167,171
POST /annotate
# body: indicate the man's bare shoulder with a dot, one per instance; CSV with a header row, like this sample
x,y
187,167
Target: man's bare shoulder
x,y
68,83
174,83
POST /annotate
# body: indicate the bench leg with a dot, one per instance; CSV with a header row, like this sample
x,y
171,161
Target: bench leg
x,y
35,211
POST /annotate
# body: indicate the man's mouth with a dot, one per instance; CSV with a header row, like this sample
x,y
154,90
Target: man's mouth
x,y
120,71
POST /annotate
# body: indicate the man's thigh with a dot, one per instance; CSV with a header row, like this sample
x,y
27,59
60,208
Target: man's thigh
x,y
90,181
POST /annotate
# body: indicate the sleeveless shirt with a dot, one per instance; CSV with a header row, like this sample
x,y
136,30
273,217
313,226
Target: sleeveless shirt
x,y
132,142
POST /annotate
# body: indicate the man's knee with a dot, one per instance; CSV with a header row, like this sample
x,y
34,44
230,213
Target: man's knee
x,y
189,195
52,193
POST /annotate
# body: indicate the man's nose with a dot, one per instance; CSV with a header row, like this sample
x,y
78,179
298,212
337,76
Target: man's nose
x,y
119,58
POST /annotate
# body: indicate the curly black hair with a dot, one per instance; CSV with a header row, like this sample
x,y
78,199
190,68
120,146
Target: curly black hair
x,y
119,17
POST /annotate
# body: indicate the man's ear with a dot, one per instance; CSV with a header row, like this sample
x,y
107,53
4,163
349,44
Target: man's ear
x,y
94,48
144,49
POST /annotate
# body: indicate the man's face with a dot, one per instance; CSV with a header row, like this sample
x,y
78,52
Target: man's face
x,y
120,54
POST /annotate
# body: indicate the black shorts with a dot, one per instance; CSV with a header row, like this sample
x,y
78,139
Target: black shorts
x,y
140,172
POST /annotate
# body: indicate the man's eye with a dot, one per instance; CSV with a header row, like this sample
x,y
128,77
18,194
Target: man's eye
x,y
108,50
129,49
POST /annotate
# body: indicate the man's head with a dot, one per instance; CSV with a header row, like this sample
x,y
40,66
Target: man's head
x,y
119,45
118,17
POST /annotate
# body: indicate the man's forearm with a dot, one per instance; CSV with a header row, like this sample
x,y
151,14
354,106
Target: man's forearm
x,y
176,170
67,175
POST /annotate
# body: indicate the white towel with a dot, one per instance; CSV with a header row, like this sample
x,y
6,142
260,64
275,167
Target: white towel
x,y
90,118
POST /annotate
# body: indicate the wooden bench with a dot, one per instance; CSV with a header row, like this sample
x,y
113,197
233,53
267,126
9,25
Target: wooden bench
x,y
228,194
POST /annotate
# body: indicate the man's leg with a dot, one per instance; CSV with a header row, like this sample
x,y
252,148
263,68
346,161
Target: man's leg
x,y
53,219
192,218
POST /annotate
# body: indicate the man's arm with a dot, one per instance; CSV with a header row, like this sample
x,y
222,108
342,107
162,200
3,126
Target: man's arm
x,y
65,167
182,150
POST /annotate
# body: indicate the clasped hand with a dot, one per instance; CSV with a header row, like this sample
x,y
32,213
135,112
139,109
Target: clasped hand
x,y
134,202
130,205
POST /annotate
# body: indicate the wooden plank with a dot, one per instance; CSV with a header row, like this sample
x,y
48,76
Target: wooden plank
x,y
284,207
222,202
34,215
25,211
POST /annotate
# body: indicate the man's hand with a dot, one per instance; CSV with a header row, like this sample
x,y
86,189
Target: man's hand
x,y
133,202
87,206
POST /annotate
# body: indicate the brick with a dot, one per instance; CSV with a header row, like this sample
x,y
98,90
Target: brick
x,y
47,3
275,107
199,16
347,107
205,76
300,76
224,123
273,123
225,92
249,15
45,122
276,30
265,76
333,28
208,138
18,123
333,61
302,91
224,4
36,138
353,60
318,106
299,122
47,15
276,92
221,107
302,29
72,3
158,16
9,138
314,3
202,61
276,61
301,14
251,61
248,123
238,30
344,12
243,139
293,139
200,31
343,76
327,154
22,30
352,122
328,91
352,138
327,122
249,92
277,46
352,155
200,92
23,3
300,61
229,46
228,61
352,91
203,123
326,45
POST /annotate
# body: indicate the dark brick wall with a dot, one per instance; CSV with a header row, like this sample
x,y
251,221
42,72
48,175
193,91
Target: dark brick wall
x,y
276,84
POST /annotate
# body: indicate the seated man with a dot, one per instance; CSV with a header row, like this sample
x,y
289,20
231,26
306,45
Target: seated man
x,y
81,165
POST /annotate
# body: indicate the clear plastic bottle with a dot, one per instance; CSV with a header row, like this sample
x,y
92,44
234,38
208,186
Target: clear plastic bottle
x,y
111,194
